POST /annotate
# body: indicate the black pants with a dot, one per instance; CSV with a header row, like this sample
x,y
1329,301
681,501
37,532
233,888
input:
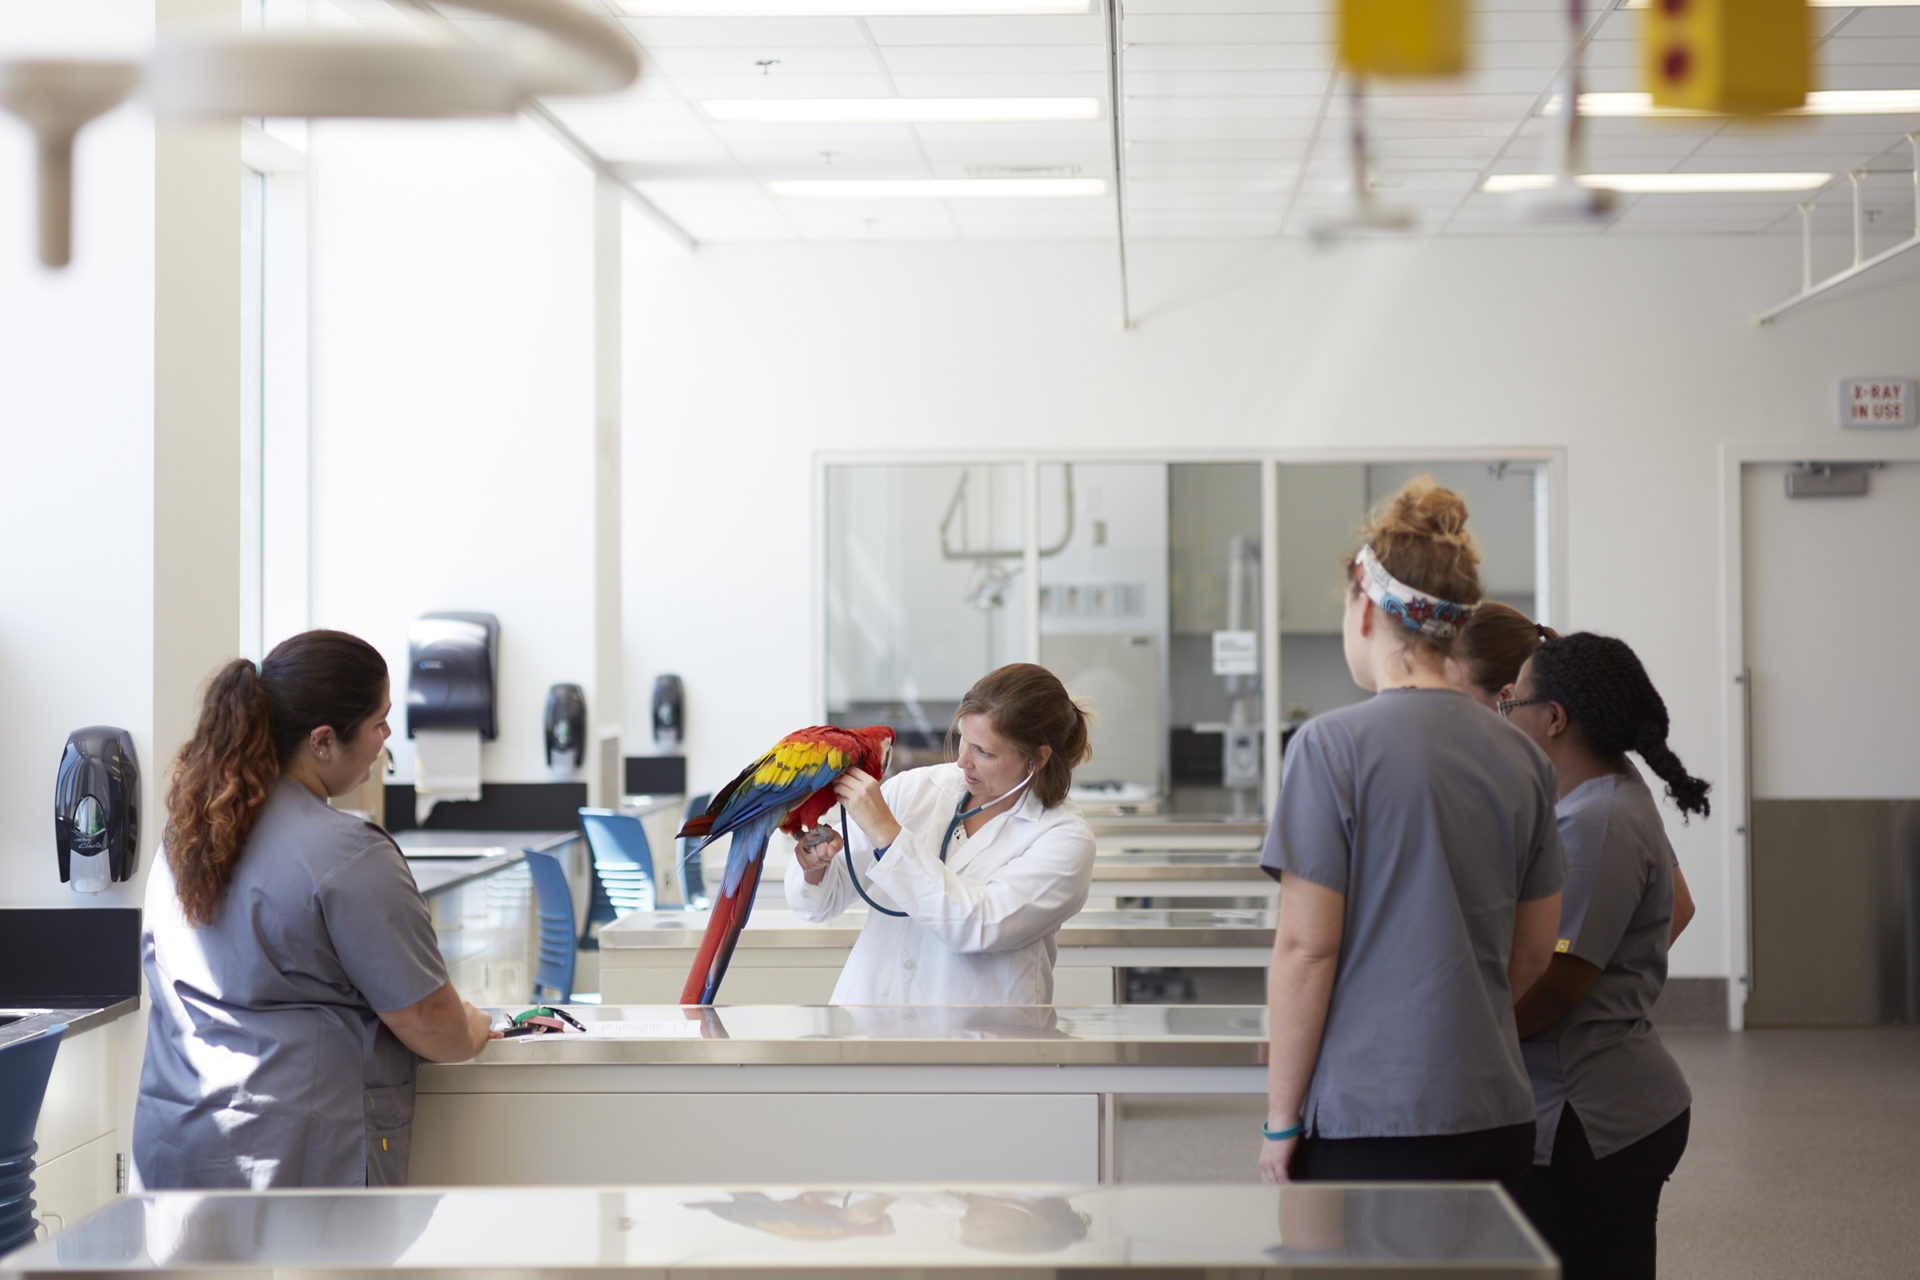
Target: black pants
x,y
1487,1155
1600,1215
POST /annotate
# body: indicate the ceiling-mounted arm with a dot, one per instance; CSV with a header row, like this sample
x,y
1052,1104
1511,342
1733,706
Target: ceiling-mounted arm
x,y
314,74
957,503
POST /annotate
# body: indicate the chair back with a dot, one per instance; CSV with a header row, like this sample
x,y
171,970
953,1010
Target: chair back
x,y
554,954
25,1067
622,859
693,880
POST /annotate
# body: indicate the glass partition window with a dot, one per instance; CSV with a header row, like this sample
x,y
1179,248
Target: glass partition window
x,y
1322,508
925,592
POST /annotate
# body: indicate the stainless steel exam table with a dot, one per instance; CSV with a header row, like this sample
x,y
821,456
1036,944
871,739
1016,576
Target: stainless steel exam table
x,y
672,1094
756,1231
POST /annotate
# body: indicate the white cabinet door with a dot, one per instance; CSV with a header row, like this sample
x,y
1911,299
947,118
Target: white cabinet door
x,y
69,1188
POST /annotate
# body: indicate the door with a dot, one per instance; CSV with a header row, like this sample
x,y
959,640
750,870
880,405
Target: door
x,y
1832,614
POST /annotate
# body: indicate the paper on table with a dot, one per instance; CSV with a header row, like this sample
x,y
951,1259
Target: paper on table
x,y
661,1029
446,766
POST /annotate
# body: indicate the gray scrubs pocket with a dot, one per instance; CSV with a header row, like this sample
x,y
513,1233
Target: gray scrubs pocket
x,y
389,1134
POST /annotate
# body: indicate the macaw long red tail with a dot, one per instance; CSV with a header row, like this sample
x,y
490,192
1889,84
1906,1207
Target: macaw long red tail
x,y
729,917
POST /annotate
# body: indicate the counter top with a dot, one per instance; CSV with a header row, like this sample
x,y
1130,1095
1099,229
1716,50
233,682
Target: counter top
x,y
895,1035
682,929
84,1018
439,876
1245,1230
476,844
1192,864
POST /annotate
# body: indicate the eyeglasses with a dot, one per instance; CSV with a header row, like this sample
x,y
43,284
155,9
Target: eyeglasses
x,y
1506,705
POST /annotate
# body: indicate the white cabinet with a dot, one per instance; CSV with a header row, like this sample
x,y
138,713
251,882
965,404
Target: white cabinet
x,y
79,1133
484,930
1322,508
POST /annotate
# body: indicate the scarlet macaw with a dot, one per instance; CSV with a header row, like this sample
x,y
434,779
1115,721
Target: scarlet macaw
x,y
790,787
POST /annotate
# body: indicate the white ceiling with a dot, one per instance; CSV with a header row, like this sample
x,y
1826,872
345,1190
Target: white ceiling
x,y
1234,124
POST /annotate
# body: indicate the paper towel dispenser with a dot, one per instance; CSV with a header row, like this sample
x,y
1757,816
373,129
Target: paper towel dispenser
x,y
96,808
451,667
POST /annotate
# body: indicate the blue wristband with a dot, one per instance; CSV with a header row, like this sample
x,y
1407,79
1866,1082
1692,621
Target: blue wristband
x,y
1283,1134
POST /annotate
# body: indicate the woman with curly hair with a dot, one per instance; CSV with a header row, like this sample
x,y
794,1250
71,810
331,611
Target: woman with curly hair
x,y
290,959
1612,1106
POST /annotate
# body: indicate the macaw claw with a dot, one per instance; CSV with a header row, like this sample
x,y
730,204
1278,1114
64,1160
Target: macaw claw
x,y
816,836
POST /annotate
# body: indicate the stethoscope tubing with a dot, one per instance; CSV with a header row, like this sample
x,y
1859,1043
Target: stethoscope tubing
x,y
846,844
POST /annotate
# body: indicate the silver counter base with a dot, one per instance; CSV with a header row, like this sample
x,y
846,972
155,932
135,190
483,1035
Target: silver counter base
x,y
945,1230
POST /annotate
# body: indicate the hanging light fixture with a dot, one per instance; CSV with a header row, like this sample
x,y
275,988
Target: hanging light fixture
x,y
212,77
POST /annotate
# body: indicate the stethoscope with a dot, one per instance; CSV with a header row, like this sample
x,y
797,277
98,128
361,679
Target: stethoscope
x,y
960,814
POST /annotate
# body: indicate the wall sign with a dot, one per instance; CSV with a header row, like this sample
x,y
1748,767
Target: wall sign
x,y
1877,403
1236,653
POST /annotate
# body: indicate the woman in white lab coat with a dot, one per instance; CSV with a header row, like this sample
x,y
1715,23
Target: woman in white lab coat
x,y
971,867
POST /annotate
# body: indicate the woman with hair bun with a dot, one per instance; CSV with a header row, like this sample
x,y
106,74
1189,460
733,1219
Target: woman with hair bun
x,y
1613,1107
971,867
1419,875
289,957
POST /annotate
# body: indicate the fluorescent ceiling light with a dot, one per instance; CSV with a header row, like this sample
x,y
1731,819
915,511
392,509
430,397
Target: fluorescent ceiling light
x,y
1821,102
898,110
1664,183
938,188
843,8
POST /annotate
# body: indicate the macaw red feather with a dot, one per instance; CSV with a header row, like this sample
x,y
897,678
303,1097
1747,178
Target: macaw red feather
x,y
790,787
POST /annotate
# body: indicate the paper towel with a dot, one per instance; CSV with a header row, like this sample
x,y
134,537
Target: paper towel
x,y
446,766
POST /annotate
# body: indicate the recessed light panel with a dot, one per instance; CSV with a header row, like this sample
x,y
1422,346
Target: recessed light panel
x,y
939,188
1665,183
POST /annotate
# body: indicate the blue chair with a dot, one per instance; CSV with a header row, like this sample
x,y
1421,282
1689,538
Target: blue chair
x,y
693,880
554,954
25,1067
622,864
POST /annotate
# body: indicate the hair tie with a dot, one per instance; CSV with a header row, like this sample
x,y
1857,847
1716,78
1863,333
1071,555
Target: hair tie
x,y
1407,605
1540,629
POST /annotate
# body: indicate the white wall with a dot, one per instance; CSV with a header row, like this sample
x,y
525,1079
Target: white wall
x,y
452,413
1637,356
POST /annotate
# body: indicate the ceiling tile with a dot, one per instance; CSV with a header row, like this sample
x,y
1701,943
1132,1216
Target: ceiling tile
x,y
874,85
1289,107
1011,85
695,33
1088,29
994,58
1141,58
1203,84
787,60
1225,28
1200,130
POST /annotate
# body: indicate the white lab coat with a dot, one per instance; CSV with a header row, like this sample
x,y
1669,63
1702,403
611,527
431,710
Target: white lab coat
x,y
979,929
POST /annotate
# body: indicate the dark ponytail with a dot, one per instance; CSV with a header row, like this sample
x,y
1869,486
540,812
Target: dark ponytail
x,y
251,723
1607,692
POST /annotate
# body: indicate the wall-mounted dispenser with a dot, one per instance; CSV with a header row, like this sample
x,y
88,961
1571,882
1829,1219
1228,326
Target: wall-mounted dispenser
x,y
669,713
452,667
452,659
96,808
566,727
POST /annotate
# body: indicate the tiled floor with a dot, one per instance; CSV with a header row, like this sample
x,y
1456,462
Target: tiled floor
x,y
1804,1159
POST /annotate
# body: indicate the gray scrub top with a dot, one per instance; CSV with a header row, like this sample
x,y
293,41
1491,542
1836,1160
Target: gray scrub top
x,y
1435,818
266,1063
1616,914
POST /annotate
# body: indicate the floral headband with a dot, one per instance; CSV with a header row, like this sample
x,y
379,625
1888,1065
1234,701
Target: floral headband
x,y
1439,618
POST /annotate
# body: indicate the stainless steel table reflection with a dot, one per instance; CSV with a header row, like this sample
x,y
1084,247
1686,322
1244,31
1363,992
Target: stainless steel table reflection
x,y
782,959
756,1230
672,1094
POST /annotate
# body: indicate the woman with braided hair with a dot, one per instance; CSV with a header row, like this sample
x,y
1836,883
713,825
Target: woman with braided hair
x,y
1612,1106
1420,875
